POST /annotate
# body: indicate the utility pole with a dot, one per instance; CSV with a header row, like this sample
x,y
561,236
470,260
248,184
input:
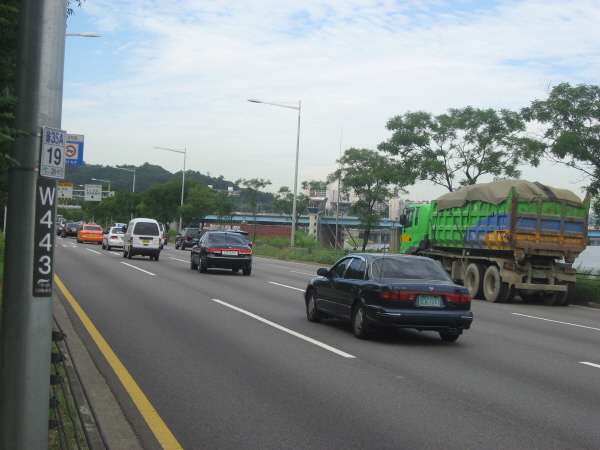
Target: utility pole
x,y
26,330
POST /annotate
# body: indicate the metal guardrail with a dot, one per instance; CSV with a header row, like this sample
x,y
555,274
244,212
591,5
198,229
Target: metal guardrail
x,y
72,418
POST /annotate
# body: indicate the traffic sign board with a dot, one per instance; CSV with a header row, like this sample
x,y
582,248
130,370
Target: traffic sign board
x,y
65,191
74,150
93,192
52,153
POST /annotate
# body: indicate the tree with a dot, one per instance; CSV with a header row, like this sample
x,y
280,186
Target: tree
x,y
459,147
252,189
571,115
374,178
224,205
199,203
284,202
161,201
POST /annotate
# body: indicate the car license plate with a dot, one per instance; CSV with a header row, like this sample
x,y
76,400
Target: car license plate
x,y
230,252
145,241
429,300
538,273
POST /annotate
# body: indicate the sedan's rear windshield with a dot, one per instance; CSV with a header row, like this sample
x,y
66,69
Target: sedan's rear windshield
x,y
231,239
412,269
116,230
92,227
146,228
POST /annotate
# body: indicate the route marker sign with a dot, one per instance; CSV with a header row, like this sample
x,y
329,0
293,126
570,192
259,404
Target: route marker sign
x,y
44,234
52,154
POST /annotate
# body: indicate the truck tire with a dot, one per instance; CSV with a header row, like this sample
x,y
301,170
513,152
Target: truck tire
x,y
570,294
561,298
473,280
494,289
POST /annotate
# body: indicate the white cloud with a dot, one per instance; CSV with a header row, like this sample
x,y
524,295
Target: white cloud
x,y
178,74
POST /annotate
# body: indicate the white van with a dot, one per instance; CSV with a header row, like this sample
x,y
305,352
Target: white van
x,y
142,237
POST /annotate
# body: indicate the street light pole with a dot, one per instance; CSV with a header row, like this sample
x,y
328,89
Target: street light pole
x,y
184,151
129,170
293,236
133,188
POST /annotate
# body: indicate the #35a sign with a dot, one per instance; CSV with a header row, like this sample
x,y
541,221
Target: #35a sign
x,y
44,235
52,156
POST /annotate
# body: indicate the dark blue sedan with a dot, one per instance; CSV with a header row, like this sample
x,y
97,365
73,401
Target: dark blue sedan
x,y
374,291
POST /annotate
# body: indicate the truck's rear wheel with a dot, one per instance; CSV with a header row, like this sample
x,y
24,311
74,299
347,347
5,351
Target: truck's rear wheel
x,y
561,298
494,289
570,294
474,279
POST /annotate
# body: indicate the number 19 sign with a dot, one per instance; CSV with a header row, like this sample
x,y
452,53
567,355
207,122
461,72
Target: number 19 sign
x,y
52,158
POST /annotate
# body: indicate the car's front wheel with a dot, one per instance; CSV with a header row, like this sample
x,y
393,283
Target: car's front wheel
x,y
312,313
359,326
103,246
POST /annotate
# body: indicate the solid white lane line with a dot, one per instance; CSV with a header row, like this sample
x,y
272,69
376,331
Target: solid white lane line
x,y
287,330
141,270
304,273
557,321
93,251
289,287
591,364
177,259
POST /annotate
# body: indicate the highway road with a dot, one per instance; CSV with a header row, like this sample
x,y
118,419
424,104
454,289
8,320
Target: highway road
x,y
230,362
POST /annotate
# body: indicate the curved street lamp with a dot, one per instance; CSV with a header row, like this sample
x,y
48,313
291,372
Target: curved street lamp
x,y
253,100
86,34
105,181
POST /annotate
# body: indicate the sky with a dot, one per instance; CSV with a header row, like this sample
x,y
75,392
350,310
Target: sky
x,y
177,74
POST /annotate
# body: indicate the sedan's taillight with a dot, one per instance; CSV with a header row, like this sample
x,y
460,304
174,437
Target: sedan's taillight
x,y
399,295
457,298
408,296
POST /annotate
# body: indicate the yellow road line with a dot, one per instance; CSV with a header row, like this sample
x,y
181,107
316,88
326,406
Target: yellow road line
x,y
154,421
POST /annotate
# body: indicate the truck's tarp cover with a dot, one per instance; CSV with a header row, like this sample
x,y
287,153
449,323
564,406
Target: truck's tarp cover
x,y
497,191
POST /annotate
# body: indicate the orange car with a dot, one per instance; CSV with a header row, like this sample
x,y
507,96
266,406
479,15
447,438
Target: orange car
x,y
90,233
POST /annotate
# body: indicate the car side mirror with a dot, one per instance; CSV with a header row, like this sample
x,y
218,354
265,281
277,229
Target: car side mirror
x,y
322,272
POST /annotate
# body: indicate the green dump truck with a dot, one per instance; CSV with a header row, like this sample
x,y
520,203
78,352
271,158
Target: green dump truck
x,y
504,238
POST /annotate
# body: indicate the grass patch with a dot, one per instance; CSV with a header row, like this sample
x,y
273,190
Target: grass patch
x,y
587,289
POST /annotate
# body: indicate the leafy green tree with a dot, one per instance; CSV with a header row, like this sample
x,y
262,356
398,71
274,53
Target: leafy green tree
x,y
199,203
223,205
459,147
161,202
374,178
284,202
571,115
118,208
253,187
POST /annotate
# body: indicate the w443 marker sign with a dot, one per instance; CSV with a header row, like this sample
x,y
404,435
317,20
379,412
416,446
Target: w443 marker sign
x,y
44,235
